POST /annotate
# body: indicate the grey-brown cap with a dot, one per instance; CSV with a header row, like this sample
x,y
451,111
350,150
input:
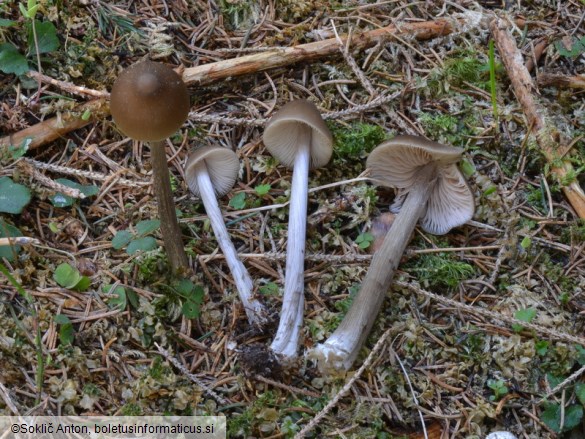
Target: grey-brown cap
x,y
395,163
222,166
283,131
149,101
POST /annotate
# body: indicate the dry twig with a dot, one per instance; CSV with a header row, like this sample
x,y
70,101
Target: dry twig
x,y
547,136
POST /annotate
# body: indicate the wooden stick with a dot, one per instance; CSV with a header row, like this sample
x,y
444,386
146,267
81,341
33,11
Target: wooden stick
x,y
55,127
547,136
51,129
562,81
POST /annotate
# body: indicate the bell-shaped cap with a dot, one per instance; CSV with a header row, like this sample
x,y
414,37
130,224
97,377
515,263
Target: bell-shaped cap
x,y
222,166
395,163
287,127
149,101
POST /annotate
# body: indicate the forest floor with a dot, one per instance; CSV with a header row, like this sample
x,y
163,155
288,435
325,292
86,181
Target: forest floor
x,y
483,327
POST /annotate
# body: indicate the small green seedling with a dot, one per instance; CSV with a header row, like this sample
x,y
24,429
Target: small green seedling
x,y
192,296
120,297
41,38
138,240
238,201
262,189
525,315
69,277
364,240
499,388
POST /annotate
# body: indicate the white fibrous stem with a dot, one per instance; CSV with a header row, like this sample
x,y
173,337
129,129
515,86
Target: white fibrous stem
x,y
286,342
255,311
340,350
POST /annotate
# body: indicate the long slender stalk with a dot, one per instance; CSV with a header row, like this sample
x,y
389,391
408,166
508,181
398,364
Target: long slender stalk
x,y
169,225
342,347
286,341
255,311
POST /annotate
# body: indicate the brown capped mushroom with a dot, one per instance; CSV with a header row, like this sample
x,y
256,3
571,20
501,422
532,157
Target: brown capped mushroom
x,y
433,190
149,102
298,137
211,171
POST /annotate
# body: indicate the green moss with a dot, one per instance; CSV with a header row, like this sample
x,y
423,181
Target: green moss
x,y
440,270
355,141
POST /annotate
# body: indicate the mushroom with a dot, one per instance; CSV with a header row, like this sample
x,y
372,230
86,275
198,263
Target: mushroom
x,y
298,137
432,189
211,171
149,102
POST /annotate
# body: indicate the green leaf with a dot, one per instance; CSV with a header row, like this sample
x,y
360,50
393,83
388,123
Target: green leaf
x,y
12,61
8,231
541,347
7,23
83,284
190,309
262,189
66,331
67,276
120,299
580,392
62,200
146,227
525,315
364,240
184,287
551,416
17,152
121,239
132,298
554,380
526,243
142,244
570,48
46,37
13,196
192,306
573,417
238,201
580,354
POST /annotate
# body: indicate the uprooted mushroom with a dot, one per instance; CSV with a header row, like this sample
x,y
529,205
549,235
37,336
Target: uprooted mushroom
x,y
299,138
211,171
432,190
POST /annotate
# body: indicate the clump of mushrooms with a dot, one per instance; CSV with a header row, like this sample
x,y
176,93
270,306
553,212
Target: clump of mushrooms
x,y
298,137
432,190
149,102
211,171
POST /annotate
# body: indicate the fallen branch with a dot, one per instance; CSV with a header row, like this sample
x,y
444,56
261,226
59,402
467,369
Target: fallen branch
x,y
547,136
56,127
561,81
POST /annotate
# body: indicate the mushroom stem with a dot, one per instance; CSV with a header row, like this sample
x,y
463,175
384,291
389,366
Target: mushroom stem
x,y
255,311
169,225
342,347
286,340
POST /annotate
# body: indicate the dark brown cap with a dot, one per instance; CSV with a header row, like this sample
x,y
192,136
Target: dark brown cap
x,y
149,101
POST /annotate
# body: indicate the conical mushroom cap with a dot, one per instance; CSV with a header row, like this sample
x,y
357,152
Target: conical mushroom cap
x,y
222,166
394,163
283,131
149,101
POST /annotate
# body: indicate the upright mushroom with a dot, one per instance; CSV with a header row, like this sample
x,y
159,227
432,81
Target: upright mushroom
x,y
432,189
211,171
149,102
298,137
